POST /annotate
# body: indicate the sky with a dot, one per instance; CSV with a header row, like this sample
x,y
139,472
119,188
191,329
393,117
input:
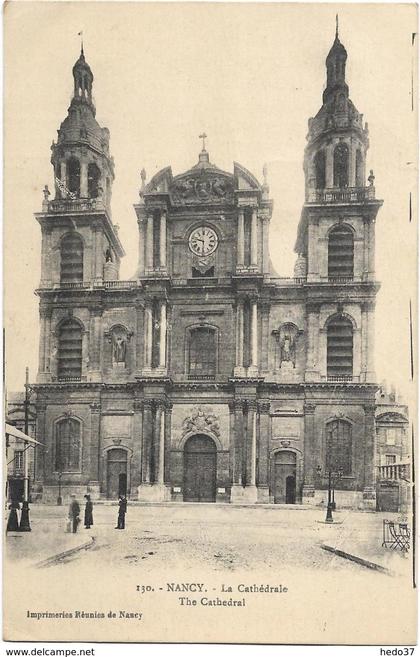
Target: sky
x,y
250,76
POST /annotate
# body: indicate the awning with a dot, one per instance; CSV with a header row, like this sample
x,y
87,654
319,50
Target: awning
x,y
12,431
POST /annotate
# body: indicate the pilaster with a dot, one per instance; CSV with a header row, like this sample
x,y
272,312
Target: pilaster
x,y
310,453
369,490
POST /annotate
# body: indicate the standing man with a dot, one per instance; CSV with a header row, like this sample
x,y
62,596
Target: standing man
x,y
74,512
121,512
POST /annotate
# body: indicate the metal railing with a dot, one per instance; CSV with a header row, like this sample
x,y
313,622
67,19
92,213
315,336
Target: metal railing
x,y
344,195
75,205
335,378
201,377
117,284
69,379
340,279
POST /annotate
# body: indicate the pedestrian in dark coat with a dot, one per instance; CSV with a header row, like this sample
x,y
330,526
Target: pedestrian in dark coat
x,y
74,513
122,504
88,512
12,521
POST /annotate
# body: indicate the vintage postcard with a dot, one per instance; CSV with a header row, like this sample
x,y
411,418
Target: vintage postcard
x,y
210,322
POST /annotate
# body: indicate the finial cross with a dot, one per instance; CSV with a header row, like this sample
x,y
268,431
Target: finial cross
x,y
203,136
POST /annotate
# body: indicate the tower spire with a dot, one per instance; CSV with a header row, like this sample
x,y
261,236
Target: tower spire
x,y
336,26
80,34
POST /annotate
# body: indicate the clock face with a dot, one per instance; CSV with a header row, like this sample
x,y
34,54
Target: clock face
x,y
203,241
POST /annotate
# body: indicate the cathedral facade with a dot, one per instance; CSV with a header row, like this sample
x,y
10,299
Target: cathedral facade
x,y
207,377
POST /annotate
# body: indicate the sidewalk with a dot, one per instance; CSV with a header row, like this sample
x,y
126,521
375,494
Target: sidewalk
x,y
47,538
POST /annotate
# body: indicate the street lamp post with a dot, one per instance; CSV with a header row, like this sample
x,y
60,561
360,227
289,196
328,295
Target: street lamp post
x,y
59,498
25,525
331,506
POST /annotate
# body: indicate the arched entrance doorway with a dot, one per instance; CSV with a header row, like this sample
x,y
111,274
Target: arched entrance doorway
x,y
200,461
116,473
284,477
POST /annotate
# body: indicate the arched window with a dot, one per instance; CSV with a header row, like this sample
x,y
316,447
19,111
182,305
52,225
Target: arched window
x,y
320,169
71,260
67,445
94,175
340,349
341,165
70,350
359,169
73,176
338,447
202,351
341,252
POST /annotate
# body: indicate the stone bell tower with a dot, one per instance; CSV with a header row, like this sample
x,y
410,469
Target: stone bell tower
x,y
81,250
80,244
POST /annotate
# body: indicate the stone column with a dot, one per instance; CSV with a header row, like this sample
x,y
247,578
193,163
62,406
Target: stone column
x,y
352,163
371,272
231,441
163,332
239,337
146,441
369,490
370,345
148,334
313,269
312,358
63,174
46,263
140,333
265,341
364,343
252,443
84,191
160,445
142,246
365,273
98,255
149,242
241,238
168,424
47,351
239,431
265,254
263,450
254,335
40,452
41,353
136,462
95,339
310,454
163,239
254,238
329,166
95,449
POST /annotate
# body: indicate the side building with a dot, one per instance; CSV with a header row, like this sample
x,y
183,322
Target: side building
x,y
207,377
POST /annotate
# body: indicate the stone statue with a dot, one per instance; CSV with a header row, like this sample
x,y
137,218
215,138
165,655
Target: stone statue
x,y
119,349
288,350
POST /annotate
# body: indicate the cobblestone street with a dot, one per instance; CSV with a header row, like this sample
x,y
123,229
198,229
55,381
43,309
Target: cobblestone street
x,y
219,550
222,538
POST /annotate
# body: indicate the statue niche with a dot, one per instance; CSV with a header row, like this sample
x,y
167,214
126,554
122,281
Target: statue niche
x,y
286,337
118,337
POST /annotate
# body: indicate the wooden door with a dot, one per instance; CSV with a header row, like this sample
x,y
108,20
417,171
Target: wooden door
x,y
116,472
200,461
284,475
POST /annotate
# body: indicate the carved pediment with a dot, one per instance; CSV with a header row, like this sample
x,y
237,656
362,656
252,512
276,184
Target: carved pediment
x,y
202,186
201,421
